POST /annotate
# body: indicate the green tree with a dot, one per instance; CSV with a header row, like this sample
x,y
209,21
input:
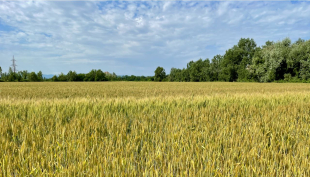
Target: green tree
x,y
160,74
230,64
297,59
4,76
237,60
300,41
19,75
199,70
273,61
175,75
71,76
33,77
305,69
215,67
0,72
80,77
24,74
185,75
95,75
206,70
195,70
90,76
55,78
269,43
40,76
111,77
62,77
11,75
100,76
248,46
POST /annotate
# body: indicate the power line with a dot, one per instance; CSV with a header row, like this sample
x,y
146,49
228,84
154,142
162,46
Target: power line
x,y
14,65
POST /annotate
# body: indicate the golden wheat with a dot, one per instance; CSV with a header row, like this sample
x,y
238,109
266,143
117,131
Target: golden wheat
x,y
154,129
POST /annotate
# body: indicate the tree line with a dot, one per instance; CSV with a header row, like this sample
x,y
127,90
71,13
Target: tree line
x,y
20,76
98,75
71,76
281,61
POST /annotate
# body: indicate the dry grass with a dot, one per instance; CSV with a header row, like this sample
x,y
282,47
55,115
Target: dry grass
x,y
154,129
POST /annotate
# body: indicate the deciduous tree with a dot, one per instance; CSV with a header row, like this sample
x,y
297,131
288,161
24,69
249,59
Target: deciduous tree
x,y
160,74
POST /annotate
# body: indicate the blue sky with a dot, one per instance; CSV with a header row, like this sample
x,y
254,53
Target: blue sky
x,y
136,37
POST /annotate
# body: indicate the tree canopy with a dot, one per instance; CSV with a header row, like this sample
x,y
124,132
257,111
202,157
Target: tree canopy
x,y
160,74
274,61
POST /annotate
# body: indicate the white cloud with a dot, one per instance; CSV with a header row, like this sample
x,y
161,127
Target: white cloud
x,y
136,37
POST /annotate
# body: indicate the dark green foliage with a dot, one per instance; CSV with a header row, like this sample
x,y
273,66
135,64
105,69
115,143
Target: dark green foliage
x,y
175,75
62,77
54,78
40,76
98,75
231,64
24,74
72,76
199,70
237,60
245,62
11,75
80,77
215,67
160,74
95,75
133,78
33,77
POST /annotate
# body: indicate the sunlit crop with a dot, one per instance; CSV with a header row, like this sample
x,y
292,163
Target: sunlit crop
x,y
154,129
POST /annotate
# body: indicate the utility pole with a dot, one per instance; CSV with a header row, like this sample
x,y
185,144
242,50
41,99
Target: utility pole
x,y
14,65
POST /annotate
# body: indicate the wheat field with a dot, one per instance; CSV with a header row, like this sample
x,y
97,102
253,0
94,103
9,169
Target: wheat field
x,y
154,129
